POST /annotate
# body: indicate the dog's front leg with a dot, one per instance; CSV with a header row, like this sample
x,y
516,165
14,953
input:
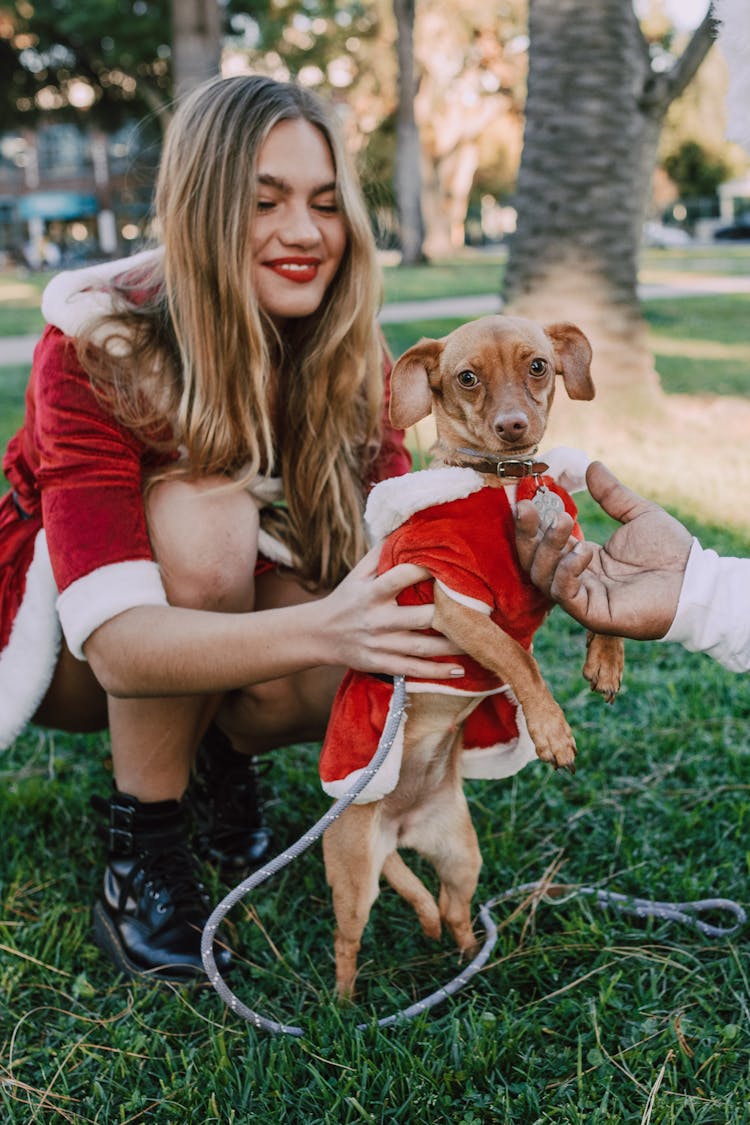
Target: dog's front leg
x,y
500,653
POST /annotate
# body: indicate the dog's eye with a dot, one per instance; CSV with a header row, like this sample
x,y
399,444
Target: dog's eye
x,y
467,379
538,367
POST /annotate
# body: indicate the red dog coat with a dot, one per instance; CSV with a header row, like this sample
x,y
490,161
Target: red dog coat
x,y
463,531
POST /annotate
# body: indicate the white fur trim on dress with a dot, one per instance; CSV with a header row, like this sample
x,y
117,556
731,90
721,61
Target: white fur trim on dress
x,y
274,550
503,759
393,501
90,601
28,661
75,297
383,782
464,599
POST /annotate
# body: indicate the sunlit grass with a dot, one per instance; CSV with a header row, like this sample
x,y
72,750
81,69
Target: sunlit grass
x,y
578,1014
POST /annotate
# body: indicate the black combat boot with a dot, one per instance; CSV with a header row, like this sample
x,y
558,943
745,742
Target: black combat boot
x,y
229,830
153,907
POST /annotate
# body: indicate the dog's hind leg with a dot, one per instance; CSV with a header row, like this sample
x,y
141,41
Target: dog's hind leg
x,y
446,837
410,886
353,850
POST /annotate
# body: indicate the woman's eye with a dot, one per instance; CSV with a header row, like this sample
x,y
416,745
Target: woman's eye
x,y
467,379
266,204
538,367
327,208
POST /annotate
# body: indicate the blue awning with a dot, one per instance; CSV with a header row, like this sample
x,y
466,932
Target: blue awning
x,y
62,205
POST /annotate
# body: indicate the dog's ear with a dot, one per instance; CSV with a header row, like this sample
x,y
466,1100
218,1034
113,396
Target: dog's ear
x,y
411,397
573,352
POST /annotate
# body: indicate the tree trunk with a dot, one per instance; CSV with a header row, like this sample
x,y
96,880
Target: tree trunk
x,y
196,42
408,154
593,115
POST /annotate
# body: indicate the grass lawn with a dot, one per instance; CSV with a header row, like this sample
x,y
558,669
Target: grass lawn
x,y
577,1018
702,344
20,294
581,1017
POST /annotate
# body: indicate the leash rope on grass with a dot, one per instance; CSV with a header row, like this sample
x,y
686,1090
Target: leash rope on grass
x,y
684,912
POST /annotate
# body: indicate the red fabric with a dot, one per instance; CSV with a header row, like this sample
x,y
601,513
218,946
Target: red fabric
x,y
74,464
78,473
16,552
491,723
358,714
469,545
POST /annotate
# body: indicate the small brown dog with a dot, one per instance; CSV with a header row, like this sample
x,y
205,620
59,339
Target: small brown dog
x,y
490,385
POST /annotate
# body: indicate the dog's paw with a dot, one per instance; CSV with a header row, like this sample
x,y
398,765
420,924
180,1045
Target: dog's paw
x,y
605,662
554,741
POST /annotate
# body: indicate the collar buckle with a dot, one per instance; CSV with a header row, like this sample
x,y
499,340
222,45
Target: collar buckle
x,y
515,467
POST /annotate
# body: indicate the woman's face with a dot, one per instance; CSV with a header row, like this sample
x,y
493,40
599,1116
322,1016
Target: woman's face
x,y
298,234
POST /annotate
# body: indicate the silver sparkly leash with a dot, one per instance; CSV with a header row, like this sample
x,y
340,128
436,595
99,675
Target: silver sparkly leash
x,y
684,912
393,720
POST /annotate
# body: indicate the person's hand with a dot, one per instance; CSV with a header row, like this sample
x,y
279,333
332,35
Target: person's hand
x,y
632,584
370,632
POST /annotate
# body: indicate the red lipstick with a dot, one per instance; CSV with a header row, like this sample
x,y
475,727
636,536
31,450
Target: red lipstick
x,y
300,270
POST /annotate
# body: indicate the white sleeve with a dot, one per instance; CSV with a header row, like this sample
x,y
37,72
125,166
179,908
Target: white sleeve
x,y
713,614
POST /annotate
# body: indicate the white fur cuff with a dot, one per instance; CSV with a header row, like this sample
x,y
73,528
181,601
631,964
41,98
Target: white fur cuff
x,y
102,594
28,661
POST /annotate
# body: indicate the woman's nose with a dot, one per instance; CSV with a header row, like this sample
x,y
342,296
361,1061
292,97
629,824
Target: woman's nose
x,y
300,228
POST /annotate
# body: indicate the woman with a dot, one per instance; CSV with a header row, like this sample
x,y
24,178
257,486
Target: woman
x,y
202,424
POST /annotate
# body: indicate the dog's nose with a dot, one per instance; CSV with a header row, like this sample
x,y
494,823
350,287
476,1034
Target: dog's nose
x,y
513,426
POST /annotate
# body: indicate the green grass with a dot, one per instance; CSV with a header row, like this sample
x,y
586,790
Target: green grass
x,y
657,265
472,274
20,294
13,382
581,1017
571,1021
701,344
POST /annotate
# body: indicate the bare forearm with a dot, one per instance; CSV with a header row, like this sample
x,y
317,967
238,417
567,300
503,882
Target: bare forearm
x,y
163,651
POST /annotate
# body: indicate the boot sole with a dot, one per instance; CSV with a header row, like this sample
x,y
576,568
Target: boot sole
x,y
108,940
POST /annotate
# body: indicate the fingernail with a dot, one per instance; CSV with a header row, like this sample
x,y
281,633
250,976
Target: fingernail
x,y
457,672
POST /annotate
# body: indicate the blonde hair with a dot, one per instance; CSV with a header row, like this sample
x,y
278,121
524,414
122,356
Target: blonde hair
x,y
195,325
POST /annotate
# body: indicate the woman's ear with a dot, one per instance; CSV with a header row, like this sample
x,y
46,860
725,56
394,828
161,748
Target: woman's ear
x,y
411,397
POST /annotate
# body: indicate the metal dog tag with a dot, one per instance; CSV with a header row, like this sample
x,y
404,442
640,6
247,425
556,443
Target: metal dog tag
x,y
549,505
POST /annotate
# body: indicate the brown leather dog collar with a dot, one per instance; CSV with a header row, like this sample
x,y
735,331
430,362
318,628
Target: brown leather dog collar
x,y
513,467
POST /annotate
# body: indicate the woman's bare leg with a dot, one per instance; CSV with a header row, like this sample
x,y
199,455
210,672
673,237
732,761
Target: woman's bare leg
x,y
290,709
204,537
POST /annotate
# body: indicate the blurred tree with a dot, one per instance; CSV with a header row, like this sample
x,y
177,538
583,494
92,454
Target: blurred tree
x,y
197,27
596,102
471,62
110,58
408,178
696,171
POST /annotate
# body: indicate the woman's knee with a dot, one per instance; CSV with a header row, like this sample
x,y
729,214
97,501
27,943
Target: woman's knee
x,y
282,711
205,538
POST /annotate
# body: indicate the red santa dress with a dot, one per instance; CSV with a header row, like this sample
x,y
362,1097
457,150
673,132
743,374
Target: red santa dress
x,y
74,546
463,531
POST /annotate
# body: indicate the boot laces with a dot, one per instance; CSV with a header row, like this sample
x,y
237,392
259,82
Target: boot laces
x,y
169,874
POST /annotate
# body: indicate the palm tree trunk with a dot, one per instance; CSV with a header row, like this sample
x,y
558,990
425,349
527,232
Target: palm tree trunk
x,y
408,155
593,115
196,42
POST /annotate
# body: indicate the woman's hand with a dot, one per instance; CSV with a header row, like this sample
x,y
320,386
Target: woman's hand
x,y
369,631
